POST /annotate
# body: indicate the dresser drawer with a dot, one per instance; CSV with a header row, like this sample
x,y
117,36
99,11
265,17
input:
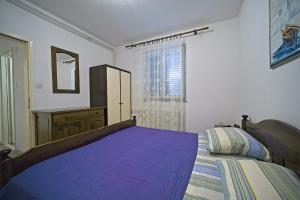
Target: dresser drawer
x,y
96,113
57,124
65,117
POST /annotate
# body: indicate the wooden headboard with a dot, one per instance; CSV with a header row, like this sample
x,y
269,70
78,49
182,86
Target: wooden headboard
x,y
282,140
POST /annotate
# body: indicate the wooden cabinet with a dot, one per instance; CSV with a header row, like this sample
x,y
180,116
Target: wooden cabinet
x,y
56,124
111,87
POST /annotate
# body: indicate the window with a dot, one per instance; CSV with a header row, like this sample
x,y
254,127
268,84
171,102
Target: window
x,y
165,77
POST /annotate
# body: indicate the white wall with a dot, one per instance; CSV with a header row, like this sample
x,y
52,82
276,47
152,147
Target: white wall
x,y
212,75
16,21
265,93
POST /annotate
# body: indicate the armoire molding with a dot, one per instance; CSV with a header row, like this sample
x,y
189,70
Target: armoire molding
x,y
37,11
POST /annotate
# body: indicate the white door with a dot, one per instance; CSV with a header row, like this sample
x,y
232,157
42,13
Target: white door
x,y
125,96
113,96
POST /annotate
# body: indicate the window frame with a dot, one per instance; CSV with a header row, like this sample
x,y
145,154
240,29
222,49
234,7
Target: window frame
x,y
162,95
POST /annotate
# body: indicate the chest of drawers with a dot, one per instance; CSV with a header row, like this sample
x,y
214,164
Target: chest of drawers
x,y
55,124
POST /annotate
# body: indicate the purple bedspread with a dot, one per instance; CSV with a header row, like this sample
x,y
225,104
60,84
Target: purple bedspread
x,y
135,163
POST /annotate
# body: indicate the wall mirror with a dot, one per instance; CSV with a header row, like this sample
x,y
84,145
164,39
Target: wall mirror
x,y
65,71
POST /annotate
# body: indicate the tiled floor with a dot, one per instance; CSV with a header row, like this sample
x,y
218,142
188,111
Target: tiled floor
x,y
13,154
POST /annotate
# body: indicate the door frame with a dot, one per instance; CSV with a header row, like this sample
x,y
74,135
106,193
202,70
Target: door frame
x,y
30,140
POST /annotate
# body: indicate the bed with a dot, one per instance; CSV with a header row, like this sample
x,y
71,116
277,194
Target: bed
x,y
124,161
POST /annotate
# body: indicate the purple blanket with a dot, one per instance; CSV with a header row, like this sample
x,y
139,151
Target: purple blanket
x,y
135,163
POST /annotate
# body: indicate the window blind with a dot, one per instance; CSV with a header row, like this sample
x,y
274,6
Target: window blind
x,y
166,72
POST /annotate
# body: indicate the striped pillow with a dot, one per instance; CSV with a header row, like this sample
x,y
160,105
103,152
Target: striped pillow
x,y
252,179
229,140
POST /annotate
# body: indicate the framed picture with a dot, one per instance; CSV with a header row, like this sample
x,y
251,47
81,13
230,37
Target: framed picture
x,y
284,31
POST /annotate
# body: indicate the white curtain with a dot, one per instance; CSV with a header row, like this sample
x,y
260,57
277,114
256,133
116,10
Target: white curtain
x,y
159,86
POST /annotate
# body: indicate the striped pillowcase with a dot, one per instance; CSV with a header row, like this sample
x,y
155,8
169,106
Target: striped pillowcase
x,y
229,140
252,179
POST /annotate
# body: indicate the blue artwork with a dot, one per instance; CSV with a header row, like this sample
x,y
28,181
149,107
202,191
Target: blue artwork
x,y
284,31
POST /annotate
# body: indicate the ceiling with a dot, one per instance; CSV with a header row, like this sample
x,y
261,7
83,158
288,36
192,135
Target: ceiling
x,y
120,22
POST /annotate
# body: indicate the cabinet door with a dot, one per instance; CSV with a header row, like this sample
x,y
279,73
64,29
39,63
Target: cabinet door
x,y
125,96
63,130
98,122
113,96
60,131
75,128
93,123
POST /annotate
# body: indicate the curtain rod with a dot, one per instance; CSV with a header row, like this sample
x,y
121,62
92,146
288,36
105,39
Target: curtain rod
x,y
170,37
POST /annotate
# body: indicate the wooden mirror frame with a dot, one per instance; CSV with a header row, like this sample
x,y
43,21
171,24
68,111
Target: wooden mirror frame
x,y
55,50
